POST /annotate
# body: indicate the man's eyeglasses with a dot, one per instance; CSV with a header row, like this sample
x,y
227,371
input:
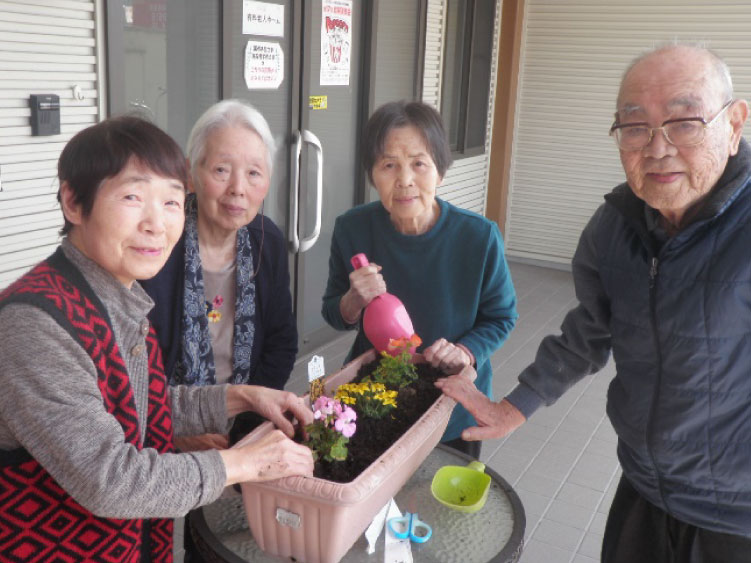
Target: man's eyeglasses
x,y
681,132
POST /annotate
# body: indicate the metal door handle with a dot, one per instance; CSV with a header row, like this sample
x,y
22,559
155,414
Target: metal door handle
x,y
297,243
294,199
310,240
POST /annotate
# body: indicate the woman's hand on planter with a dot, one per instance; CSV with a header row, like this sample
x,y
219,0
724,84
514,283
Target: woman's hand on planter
x,y
494,420
273,456
270,404
447,356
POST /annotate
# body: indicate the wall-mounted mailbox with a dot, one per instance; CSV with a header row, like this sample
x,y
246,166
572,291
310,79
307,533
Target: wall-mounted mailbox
x,y
45,114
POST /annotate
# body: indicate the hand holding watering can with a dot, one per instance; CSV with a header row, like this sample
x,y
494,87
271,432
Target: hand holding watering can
x,y
385,318
365,283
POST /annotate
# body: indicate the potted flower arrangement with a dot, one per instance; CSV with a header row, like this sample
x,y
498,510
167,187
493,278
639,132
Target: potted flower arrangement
x,y
333,427
316,519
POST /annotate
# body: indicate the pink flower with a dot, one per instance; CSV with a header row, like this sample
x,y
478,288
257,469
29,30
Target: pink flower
x,y
332,413
346,428
323,407
349,413
345,422
218,301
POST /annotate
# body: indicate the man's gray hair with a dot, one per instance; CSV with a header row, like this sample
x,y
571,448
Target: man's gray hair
x,y
228,113
722,72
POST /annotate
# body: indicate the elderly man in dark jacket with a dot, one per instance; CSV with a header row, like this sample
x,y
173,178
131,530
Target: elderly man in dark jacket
x,y
663,279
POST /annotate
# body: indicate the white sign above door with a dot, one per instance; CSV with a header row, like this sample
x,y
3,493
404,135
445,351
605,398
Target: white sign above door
x,y
261,18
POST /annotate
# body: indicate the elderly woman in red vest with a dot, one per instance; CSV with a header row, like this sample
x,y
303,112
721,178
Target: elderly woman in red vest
x,y
87,469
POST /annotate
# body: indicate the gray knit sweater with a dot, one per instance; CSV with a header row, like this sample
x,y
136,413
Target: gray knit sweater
x,y
50,405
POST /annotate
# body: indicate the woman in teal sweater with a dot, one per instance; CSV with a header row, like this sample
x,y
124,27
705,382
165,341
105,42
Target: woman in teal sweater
x,y
444,263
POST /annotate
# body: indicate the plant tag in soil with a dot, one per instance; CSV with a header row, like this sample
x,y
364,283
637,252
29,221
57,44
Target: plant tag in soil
x,y
315,368
315,374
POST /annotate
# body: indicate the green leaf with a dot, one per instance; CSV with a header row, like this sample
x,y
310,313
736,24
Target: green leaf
x,y
339,451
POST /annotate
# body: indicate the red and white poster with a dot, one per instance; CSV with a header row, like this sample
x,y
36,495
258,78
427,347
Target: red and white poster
x,y
264,65
336,41
149,14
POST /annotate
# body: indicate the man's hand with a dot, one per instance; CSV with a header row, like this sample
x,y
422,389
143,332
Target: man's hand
x,y
271,404
272,457
494,420
201,442
448,357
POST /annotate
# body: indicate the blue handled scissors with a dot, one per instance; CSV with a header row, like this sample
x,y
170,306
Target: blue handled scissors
x,y
410,526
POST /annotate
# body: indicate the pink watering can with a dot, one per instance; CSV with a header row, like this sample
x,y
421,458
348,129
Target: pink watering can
x,y
385,318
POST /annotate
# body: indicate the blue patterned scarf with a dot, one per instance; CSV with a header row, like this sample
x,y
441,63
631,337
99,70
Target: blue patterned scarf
x,y
196,363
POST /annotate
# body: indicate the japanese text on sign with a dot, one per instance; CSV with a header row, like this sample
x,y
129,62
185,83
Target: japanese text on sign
x,y
318,102
264,65
261,18
336,42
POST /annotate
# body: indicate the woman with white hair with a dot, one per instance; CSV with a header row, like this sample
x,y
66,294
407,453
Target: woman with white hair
x,y
223,307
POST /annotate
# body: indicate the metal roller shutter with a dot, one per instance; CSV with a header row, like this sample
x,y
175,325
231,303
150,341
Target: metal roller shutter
x,y
431,81
573,55
46,47
465,184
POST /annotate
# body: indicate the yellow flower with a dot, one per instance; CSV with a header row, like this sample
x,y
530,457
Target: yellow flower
x,y
214,316
387,397
372,399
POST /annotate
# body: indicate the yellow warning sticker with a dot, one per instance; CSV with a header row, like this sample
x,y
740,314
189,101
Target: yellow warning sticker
x,y
318,102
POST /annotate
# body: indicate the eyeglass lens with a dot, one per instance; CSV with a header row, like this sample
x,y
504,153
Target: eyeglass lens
x,y
680,133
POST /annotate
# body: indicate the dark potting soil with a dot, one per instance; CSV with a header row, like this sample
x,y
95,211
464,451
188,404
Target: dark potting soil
x,y
373,437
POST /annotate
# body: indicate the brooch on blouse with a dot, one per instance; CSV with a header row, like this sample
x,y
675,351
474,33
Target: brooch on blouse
x,y
212,309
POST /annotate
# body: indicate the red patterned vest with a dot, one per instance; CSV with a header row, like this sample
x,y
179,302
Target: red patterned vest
x,y
39,521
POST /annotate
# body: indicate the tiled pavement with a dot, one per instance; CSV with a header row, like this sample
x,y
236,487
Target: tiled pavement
x,y
562,462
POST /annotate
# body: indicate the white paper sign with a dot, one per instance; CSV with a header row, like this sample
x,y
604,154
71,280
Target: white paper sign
x,y
395,550
375,527
264,65
336,42
261,18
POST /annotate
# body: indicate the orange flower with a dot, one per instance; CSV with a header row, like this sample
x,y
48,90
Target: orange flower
x,y
404,343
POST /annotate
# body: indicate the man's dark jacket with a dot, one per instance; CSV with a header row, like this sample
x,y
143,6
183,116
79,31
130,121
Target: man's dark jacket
x,y
677,318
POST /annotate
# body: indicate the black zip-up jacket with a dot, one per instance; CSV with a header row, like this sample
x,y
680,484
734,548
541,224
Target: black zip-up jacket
x,y
677,319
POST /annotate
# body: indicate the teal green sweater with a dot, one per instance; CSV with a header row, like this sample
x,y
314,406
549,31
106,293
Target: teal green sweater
x,y
453,280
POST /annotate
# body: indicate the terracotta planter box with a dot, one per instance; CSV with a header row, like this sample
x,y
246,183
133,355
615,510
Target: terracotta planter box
x,y
317,521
